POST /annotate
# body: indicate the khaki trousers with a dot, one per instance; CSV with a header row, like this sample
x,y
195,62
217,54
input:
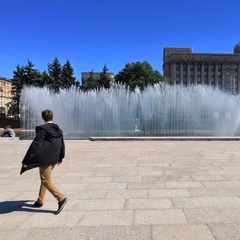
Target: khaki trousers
x,y
47,184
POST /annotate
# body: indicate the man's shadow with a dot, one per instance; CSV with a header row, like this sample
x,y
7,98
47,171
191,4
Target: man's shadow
x,y
20,206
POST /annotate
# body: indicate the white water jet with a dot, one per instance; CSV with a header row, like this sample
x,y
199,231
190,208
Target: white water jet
x,y
160,110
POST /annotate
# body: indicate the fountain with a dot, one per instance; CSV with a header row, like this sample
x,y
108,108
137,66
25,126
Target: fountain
x,y
161,110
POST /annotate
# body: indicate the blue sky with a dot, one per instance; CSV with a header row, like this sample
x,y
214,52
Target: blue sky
x,y
92,33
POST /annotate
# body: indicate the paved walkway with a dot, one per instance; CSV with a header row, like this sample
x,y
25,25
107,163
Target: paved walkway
x,y
126,190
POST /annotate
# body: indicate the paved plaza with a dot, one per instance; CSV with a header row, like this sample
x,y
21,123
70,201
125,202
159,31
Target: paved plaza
x,y
126,190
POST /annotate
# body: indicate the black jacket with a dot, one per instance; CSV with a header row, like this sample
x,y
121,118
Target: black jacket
x,y
47,148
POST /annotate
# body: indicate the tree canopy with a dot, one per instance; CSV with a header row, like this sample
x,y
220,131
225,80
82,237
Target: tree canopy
x,y
104,81
135,74
56,78
90,83
138,74
55,73
67,76
97,81
23,76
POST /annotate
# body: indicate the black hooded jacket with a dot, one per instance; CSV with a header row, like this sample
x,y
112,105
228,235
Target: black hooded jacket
x,y
47,148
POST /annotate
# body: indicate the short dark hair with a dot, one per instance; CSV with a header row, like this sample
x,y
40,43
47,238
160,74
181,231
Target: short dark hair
x,y
47,115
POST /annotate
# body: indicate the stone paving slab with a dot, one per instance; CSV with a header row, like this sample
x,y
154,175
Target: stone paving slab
x,y
182,232
225,231
205,202
213,215
153,217
126,190
107,218
93,233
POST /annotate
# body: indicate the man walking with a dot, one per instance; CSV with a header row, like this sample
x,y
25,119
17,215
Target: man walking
x,y
46,150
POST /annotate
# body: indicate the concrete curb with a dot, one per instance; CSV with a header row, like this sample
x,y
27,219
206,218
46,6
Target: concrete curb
x,y
9,138
190,138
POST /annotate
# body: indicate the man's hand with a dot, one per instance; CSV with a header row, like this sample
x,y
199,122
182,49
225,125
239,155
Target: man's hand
x,y
23,169
59,163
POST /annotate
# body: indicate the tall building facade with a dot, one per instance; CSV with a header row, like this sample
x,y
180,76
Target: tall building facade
x,y
5,95
182,66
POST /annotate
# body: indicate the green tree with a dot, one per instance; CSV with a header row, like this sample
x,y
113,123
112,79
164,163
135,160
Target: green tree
x,y
77,84
55,73
32,77
46,79
23,76
139,74
90,83
18,82
104,80
67,76
56,78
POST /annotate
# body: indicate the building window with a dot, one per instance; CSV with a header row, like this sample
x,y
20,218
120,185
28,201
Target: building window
x,y
184,69
212,80
199,74
177,73
205,74
219,67
191,73
219,72
219,81
212,70
199,70
184,80
212,75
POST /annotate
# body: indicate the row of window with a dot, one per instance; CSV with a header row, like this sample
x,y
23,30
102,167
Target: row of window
x,y
206,66
208,72
223,76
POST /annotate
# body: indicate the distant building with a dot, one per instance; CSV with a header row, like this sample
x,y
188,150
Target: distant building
x,y
5,95
96,76
182,66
